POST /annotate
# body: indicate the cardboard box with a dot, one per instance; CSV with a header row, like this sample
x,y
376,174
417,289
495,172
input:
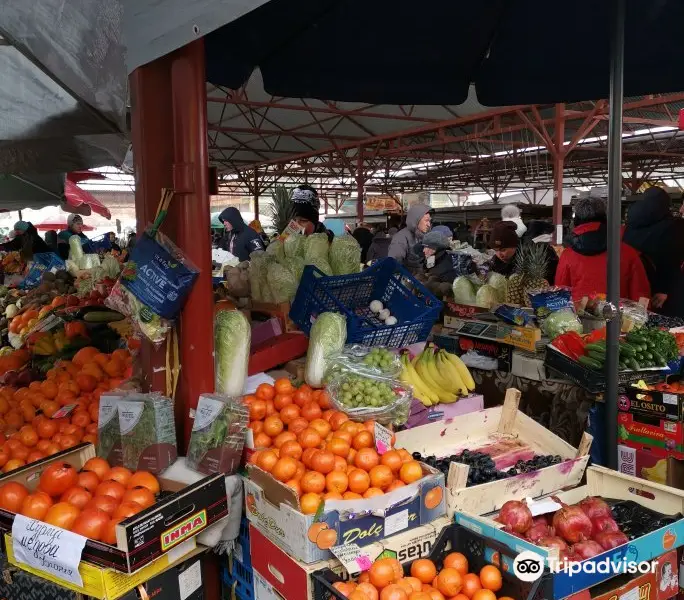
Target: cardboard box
x,y
454,312
422,415
279,311
526,338
274,508
460,344
660,435
108,584
284,577
15,583
516,437
182,513
607,484
529,366
661,585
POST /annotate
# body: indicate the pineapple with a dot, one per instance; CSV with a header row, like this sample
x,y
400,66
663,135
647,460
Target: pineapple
x,y
531,263
281,208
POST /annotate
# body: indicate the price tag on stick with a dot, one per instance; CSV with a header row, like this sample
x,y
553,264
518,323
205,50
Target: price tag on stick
x,y
352,558
383,439
47,548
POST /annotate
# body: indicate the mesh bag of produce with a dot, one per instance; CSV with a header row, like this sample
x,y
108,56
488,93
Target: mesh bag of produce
x,y
363,396
218,434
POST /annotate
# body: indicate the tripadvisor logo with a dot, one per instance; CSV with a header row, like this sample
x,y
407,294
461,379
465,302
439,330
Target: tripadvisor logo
x,y
528,566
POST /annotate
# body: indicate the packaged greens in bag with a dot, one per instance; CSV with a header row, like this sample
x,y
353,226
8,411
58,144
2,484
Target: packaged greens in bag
x,y
218,434
108,431
148,432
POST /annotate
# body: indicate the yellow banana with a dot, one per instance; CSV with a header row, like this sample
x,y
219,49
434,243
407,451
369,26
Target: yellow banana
x,y
420,389
422,368
449,369
437,376
462,370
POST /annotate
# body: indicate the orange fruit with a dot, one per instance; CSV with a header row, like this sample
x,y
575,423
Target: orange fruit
x,y
412,471
261,440
309,503
298,425
282,400
336,481
484,594
471,584
265,391
273,426
391,459
283,437
309,438
312,481
424,570
449,582
323,461
363,439
284,469
382,573
372,492
291,448
381,476
289,413
321,426
491,578
359,481
351,496
283,385
366,458
267,460
457,561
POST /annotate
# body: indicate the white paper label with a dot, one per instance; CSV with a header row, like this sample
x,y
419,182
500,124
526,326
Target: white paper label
x,y
190,580
48,548
108,404
383,439
129,415
670,399
293,228
207,410
396,522
352,558
542,507
632,594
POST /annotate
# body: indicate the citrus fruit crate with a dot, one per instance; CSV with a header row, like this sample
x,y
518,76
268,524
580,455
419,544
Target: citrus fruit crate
x,y
595,381
479,551
412,304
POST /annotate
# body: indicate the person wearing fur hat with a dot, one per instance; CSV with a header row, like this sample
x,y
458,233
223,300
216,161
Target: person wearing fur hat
x,y
511,213
583,265
305,210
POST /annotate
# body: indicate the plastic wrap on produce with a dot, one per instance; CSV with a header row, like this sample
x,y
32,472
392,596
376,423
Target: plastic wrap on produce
x,y
364,359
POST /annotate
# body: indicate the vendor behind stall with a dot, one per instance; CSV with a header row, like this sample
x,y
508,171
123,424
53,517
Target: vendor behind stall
x,y
74,228
503,239
26,241
239,239
305,207
583,264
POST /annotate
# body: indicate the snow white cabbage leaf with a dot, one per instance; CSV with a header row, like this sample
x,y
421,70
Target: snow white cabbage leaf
x,y
326,338
345,255
500,284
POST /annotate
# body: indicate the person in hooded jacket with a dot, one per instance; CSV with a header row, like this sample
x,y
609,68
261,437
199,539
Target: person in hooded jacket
x,y
402,246
653,231
381,243
239,239
583,265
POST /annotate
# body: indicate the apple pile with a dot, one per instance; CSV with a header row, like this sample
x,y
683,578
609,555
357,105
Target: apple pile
x,y
578,532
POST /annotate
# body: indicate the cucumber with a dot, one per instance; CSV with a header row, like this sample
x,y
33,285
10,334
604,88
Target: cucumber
x,y
600,348
627,350
591,363
103,316
659,360
633,364
648,355
597,356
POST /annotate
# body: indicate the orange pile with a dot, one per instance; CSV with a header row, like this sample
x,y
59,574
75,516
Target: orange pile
x,y
385,581
89,502
319,452
27,430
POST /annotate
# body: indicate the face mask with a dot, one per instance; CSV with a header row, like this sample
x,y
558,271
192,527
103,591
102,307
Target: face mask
x,y
430,261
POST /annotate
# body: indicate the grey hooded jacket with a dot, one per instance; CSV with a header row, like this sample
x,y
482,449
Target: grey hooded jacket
x,y
402,245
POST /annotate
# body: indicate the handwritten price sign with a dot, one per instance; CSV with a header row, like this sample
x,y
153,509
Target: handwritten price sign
x,y
51,549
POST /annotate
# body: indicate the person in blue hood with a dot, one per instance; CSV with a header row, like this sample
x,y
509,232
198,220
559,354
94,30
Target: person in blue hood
x,y
239,239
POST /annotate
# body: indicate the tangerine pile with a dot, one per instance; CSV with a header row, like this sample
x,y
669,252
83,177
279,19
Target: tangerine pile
x,y
89,502
27,430
319,452
385,581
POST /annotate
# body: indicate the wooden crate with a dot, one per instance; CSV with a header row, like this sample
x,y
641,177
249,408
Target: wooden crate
x,y
507,426
280,311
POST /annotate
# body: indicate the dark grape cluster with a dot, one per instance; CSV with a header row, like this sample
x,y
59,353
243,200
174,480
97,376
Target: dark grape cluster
x,y
482,466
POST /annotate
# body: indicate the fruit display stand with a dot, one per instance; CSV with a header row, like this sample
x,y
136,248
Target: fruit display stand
x,y
603,483
182,512
508,435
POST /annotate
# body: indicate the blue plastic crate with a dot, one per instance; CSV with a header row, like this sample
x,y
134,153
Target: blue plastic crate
x,y
415,308
237,575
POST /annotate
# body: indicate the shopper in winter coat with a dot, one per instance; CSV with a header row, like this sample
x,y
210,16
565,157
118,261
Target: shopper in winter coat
x,y
512,213
381,243
364,236
239,239
583,265
403,243
653,231
305,211
26,241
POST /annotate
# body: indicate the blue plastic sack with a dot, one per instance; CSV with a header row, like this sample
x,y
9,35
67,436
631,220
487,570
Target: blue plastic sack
x,y
45,261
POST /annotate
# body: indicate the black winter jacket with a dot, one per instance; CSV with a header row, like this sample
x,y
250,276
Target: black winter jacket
x,y
241,240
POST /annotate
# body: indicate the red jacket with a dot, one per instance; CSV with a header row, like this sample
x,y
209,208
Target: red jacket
x,y
583,265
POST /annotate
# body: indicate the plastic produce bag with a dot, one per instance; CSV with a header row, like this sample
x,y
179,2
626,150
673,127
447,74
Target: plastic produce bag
x,y
363,359
555,311
363,396
345,255
326,338
218,434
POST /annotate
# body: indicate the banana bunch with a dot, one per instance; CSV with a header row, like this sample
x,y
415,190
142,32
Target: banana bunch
x,y
437,377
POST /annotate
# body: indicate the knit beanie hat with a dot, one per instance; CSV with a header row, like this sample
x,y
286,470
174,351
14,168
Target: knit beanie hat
x,y
72,218
305,203
503,236
435,240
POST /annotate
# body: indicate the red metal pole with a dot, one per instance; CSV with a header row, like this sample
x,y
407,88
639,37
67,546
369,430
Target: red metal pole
x,y
359,185
256,193
151,132
191,183
558,165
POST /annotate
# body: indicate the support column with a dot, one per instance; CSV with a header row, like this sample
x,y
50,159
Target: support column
x,y
152,136
558,166
256,194
359,185
191,182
